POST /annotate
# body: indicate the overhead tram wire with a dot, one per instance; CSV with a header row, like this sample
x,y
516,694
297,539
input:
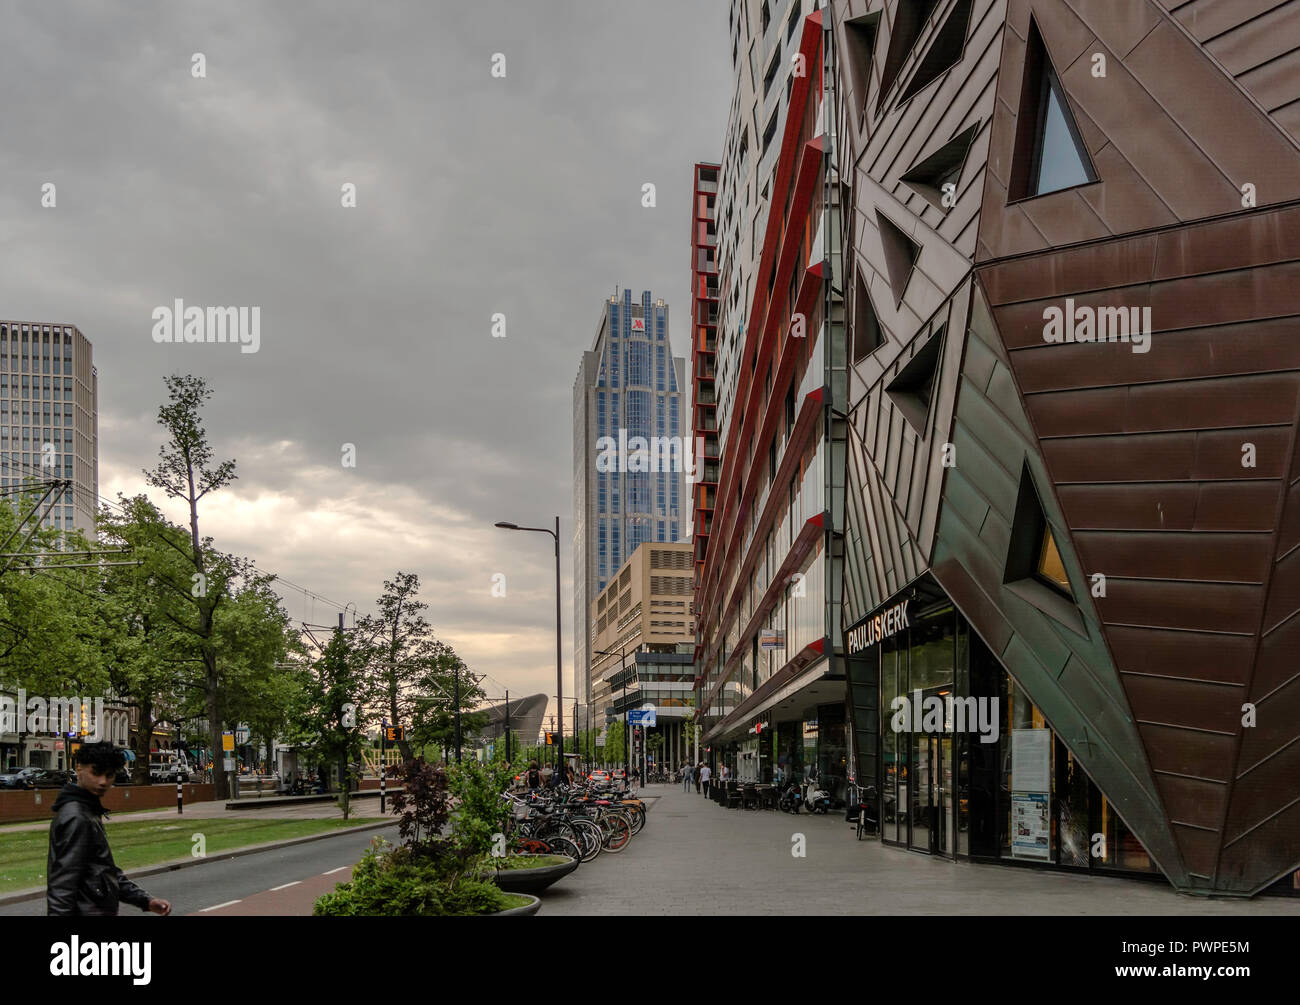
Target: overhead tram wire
x,y
113,504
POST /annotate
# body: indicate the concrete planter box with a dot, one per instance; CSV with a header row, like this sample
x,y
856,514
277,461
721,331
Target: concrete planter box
x,y
526,910
532,880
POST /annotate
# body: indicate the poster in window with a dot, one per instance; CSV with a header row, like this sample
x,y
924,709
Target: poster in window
x,y
1030,837
1031,760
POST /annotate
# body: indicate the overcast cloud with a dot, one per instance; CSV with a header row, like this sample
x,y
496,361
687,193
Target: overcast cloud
x,y
475,195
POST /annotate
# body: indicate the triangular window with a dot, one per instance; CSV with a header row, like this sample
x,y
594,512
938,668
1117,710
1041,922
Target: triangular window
x,y
913,388
943,167
906,29
867,336
1035,570
860,46
901,253
944,53
1050,567
1050,154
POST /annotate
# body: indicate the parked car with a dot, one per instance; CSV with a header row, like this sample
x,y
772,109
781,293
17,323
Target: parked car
x,y
50,778
17,778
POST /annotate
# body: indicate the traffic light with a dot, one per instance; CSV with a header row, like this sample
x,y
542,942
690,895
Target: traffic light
x,y
550,738
394,733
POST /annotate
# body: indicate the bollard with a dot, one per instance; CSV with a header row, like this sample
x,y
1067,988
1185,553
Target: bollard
x,y
383,790
180,797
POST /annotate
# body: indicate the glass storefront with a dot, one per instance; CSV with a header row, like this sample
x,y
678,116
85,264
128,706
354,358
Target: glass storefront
x,y
942,791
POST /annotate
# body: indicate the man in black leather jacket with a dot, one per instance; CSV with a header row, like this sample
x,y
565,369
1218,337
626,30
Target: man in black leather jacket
x,y
82,879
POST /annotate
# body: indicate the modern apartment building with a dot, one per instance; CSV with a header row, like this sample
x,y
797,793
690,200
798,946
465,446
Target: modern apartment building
x,y
704,337
770,687
1072,245
645,636
49,419
765,36
630,454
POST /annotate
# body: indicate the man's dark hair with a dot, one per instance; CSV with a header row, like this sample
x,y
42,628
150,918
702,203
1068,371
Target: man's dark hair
x,y
105,758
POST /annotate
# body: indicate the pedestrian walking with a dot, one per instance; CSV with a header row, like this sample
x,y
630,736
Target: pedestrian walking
x,y
82,878
705,774
686,778
699,769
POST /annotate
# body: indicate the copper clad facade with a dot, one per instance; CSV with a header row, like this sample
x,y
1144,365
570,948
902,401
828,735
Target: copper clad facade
x,y
1170,468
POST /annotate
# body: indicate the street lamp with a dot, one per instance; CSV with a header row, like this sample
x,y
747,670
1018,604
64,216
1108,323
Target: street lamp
x,y
559,671
623,674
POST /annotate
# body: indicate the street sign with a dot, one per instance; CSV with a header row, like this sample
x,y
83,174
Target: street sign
x,y
393,734
228,763
643,716
228,740
600,740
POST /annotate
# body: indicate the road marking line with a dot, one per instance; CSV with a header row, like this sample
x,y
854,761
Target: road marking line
x,y
285,886
333,871
215,906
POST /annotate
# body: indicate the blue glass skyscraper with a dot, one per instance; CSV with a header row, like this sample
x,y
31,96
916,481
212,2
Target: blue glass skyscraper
x,y
629,389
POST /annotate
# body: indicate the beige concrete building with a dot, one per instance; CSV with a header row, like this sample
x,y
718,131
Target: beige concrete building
x,y
645,618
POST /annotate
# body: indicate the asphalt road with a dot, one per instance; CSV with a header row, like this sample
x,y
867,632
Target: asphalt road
x,y
302,872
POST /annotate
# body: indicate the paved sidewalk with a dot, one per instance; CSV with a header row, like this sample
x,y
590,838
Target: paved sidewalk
x,y
694,857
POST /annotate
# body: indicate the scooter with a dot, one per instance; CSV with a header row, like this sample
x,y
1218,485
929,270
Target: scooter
x,y
867,821
817,799
791,799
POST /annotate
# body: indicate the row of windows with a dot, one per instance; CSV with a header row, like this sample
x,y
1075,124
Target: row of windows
x,y
29,366
29,386
34,436
11,333
30,411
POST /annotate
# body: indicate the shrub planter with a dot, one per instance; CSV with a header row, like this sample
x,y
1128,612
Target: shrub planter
x,y
522,911
536,879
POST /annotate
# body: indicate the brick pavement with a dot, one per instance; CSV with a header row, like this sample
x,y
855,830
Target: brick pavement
x,y
694,857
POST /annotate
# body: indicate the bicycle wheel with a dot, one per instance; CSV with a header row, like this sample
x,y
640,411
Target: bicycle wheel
x,y
590,838
636,815
563,846
555,827
618,833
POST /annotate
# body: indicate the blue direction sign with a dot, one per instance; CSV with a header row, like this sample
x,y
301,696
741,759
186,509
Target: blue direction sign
x,y
642,716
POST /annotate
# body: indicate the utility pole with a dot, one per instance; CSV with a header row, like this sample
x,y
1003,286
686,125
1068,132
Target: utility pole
x,y
507,725
343,753
456,671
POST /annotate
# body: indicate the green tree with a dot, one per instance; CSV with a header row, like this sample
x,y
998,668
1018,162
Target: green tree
x,y
50,633
152,660
433,709
402,648
186,471
255,639
614,734
328,718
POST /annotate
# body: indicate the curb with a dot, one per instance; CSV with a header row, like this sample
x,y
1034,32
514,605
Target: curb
x,y
35,893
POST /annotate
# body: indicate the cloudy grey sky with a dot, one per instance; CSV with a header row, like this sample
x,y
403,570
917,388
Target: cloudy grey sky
x,y
475,195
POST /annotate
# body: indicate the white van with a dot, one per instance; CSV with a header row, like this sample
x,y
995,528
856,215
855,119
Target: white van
x,y
169,766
